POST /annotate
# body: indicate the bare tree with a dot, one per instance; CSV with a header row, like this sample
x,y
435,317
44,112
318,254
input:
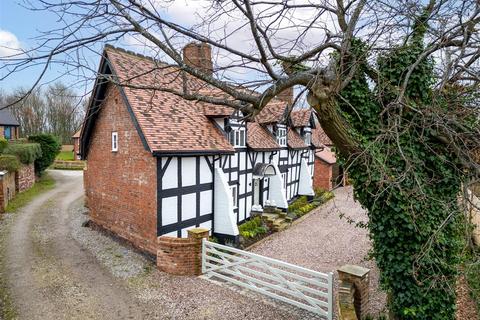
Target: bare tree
x,y
64,112
30,111
324,48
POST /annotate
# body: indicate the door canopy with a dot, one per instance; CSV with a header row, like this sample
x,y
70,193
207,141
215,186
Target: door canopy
x,y
263,170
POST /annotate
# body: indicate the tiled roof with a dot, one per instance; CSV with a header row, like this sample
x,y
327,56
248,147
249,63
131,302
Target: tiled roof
x,y
294,140
7,118
327,155
169,123
172,124
300,117
258,137
77,134
320,138
274,111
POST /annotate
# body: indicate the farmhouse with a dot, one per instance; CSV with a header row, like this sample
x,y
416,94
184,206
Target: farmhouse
x,y
159,164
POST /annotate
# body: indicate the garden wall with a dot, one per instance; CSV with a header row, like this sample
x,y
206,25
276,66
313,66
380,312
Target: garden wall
x,y
7,188
25,177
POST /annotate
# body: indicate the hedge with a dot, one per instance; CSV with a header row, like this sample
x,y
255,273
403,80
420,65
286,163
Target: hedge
x,y
50,149
27,153
9,162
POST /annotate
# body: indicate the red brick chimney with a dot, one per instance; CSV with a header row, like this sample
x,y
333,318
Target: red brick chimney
x,y
199,55
286,95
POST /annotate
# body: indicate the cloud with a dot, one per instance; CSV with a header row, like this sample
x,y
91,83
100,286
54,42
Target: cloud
x,y
9,44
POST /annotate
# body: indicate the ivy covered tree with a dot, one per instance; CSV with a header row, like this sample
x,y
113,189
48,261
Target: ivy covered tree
x,y
394,83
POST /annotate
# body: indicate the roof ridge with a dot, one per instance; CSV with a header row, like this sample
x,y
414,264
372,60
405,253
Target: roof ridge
x,y
130,52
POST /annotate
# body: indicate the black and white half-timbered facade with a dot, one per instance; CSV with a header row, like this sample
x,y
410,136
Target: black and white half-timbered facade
x,y
213,168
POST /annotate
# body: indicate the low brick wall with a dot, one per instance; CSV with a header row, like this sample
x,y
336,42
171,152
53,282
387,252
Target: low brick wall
x,y
7,189
181,256
25,177
72,165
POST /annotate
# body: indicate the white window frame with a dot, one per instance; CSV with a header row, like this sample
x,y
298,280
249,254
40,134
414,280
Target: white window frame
x,y
235,137
114,141
234,190
282,136
308,138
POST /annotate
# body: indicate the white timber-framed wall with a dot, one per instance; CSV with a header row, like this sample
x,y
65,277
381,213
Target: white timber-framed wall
x,y
186,193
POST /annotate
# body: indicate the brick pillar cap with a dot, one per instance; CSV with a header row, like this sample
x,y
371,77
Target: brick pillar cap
x,y
354,270
197,230
198,233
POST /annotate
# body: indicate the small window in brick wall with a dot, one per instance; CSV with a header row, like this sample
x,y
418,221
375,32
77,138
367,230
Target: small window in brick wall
x,y
114,141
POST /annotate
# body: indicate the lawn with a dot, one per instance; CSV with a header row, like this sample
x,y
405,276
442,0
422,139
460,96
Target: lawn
x,y
66,156
21,199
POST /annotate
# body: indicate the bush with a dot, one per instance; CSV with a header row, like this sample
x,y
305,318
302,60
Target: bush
x,y
50,149
252,228
297,204
9,162
26,152
3,144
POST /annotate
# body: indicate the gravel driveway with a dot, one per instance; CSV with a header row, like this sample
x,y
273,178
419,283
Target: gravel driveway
x,y
56,269
324,242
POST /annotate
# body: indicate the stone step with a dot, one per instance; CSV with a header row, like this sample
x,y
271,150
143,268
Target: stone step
x,y
281,227
288,219
278,221
270,216
282,214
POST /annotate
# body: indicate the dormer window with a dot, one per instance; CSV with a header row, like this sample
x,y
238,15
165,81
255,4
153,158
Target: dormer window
x,y
237,137
281,135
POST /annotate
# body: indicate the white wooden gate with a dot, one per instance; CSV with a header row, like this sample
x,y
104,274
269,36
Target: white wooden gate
x,y
301,287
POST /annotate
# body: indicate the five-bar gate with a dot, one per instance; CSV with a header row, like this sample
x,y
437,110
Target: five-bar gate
x,y
301,287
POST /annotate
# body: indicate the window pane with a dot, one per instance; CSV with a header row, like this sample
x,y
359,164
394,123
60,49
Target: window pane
x,y
232,137
237,138
242,138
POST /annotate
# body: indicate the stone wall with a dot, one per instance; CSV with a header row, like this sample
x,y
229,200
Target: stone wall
x,y
121,186
25,177
181,256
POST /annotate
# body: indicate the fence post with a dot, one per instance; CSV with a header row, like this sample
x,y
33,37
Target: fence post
x,y
359,278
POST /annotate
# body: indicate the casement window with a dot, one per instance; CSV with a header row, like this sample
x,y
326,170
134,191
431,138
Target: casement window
x,y
282,136
284,179
238,137
114,141
234,195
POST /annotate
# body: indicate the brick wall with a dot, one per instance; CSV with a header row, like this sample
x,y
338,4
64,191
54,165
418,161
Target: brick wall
x,y
322,175
181,256
25,177
76,147
7,189
121,186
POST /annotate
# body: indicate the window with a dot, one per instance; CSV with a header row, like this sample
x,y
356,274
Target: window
x,y
237,137
7,133
282,136
234,195
307,138
114,141
284,179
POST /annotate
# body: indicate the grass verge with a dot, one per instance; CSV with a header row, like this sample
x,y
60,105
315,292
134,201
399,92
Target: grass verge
x,y
65,155
21,199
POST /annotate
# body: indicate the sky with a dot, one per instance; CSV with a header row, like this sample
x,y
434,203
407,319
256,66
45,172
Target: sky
x,y
18,26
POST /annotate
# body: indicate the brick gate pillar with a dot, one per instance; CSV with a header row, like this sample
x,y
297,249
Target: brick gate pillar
x,y
182,256
358,278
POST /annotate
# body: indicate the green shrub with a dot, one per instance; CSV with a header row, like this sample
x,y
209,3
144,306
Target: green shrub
x,y
300,202
472,275
9,162
27,153
50,148
252,228
3,144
